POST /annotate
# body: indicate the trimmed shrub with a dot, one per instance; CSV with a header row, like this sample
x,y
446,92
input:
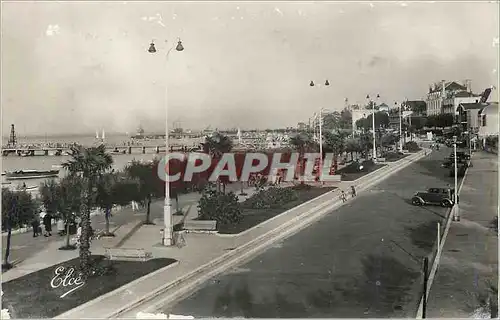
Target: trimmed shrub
x,y
274,197
411,146
218,206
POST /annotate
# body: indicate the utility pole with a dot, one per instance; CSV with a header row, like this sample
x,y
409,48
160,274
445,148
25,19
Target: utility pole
x,y
426,278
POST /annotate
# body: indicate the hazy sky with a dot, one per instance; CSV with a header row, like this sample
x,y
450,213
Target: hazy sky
x,y
75,67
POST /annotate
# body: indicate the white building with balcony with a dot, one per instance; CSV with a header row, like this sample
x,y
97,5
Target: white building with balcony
x,y
488,120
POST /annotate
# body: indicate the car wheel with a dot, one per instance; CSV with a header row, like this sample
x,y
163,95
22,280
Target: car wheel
x,y
416,202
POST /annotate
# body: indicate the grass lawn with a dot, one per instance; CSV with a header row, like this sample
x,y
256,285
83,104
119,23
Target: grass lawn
x,y
252,217
350,173
32,295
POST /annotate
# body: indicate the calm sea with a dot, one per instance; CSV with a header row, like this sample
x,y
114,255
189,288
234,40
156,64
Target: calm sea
x,y
14,162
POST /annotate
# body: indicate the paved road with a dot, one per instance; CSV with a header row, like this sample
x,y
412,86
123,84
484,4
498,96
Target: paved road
x,y
352,264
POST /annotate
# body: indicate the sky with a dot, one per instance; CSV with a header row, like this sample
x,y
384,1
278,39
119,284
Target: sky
x,y
75,67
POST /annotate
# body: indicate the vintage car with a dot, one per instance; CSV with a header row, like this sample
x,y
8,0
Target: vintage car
x,y
434,196
450,162
461,168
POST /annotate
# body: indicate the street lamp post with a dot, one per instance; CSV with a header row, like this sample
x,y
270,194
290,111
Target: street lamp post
x,y
373,127
455,192
167,238
400,128
320,130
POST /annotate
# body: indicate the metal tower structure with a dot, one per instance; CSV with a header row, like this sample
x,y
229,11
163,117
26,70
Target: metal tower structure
x,y
12,138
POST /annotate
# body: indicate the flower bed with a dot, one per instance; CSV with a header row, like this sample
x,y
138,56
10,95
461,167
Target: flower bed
x,y
269,203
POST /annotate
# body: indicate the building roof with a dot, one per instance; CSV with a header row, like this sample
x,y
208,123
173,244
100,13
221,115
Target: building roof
x,y
471,106
464,94
448,86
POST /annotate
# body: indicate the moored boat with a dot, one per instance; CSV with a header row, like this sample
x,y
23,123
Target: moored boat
x,y
31,174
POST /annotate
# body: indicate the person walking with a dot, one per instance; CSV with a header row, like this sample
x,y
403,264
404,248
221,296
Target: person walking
x,y
35,224
135,206
353,191
343,196
47,222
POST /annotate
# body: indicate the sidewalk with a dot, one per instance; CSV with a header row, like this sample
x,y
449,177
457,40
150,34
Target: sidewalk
x,y
470,253
201,255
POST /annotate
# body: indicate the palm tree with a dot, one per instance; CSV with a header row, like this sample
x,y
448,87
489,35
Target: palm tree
x,y
18,208
89,164
216,145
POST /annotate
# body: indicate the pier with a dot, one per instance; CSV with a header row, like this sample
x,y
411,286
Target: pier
x,y
57,151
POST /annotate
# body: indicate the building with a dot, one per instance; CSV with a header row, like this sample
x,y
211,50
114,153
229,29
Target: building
x,y
359,114
488,120
468,115
383,107
446,96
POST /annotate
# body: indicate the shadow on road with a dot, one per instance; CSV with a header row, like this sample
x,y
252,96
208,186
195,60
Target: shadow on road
x,y
424,235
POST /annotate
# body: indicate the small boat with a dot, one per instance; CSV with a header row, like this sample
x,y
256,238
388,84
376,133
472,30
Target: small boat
x,y
31,174
3,173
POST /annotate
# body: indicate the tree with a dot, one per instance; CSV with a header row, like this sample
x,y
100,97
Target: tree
x,y
381,121
18,208
88,164
331,121
216,205
149,184
216,146
345,119
63,200
334,142
366,143
302,143
352,145
114,189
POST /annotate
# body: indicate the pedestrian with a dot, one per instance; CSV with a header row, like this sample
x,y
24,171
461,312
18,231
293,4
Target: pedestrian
x,y
35,224
353,191
47,222
135,206
343,196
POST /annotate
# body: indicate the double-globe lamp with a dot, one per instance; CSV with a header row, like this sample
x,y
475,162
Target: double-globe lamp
x,y
167,239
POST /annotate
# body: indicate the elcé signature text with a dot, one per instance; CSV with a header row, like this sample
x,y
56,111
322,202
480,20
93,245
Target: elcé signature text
x,y
66,278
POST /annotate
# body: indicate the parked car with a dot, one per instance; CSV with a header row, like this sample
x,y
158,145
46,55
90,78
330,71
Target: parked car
x,y
461,168
434,196
450,162
460,155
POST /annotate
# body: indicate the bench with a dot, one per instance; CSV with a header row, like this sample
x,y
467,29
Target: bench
x,y
381,159
127,254
208,225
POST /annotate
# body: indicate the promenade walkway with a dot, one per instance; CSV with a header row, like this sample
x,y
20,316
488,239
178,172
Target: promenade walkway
x,y
197,256
470,254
